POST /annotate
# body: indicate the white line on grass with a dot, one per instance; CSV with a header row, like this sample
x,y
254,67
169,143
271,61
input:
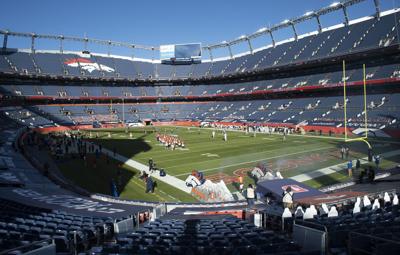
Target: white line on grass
x,y
209,155
257,160
206,147
275,134
168,179
299,135
236,148
142,186
169,195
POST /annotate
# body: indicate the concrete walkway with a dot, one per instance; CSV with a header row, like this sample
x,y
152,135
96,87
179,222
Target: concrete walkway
x,y
169,179
336,168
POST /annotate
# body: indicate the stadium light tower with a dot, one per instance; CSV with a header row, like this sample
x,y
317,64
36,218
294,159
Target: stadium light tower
x,y
33,36
315,15
210,53
263,31
247,39
346,17
294,30
272,37
269,31
229,48
249,43
5,39
344,9
334,4
133,50
291,23
61,37
85,42
108,47
318,22
377,8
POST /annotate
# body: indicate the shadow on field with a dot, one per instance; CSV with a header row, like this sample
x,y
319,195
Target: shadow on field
x,y
98,173
126,147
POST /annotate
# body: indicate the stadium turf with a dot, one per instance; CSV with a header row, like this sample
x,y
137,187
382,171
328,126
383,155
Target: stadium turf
x,y
221,160
97,178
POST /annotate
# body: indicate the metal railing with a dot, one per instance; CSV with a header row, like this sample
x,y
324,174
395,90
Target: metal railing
x,y
247,39
313,237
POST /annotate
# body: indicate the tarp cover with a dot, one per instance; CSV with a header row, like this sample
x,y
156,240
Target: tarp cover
x,y
276,188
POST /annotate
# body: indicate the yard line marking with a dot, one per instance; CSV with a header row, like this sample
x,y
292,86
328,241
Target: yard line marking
x,y
174,198
276,134
210,155
299,135
168,179
238,148
142,186
252,161
206,147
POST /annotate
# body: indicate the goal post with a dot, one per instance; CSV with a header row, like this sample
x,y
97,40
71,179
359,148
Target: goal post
x,y
346,137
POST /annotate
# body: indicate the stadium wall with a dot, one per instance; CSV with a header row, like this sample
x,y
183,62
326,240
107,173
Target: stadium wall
x,y
77,127
308,128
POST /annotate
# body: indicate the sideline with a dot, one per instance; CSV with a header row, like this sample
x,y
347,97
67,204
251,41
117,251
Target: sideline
x,y
336,168
372,139
168,179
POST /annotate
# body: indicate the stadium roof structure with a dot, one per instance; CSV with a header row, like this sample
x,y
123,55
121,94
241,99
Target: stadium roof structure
x,y
265,31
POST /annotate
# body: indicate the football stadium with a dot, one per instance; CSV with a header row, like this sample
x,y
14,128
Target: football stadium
x,y
285,140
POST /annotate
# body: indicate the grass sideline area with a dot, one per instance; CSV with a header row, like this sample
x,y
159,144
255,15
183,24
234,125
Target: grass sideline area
x,y
96,178
218,159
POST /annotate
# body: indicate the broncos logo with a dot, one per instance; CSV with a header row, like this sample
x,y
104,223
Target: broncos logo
x,y
87,65
295,188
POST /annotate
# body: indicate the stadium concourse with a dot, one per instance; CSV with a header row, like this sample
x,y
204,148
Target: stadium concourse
x,y
109,154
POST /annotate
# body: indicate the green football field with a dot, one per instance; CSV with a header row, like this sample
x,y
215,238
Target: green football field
x,y
217,159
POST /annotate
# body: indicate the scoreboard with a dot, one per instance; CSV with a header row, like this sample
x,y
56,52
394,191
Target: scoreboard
x,y
180,53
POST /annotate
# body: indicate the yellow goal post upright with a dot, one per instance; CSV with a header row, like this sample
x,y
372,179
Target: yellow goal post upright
x,y
365,137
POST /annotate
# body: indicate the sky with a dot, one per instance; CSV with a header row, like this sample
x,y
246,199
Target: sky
x,y
157,22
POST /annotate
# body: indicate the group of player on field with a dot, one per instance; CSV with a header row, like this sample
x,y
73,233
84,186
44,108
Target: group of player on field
x,y
169,141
